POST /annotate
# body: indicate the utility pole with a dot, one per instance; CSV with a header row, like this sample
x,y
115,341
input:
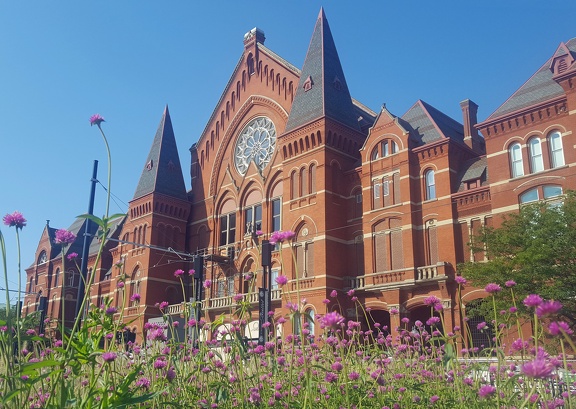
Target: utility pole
x,y
86,245
265,292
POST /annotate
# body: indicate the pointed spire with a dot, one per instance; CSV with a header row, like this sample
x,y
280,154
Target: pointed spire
x,y
162,172
322,90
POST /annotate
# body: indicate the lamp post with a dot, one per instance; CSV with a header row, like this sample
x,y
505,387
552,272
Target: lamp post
x,y
265,292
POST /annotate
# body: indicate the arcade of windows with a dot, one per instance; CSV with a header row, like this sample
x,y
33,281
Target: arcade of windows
x,y
385,148
252,221
536,157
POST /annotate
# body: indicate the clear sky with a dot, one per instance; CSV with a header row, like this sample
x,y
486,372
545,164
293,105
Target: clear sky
x,y
62,61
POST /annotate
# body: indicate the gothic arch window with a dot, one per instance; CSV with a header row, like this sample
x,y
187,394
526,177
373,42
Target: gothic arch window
x,y
546,192
253,212
309,316
556,149
56,277
71,279
516,162
134,285
250,63
430,184
536,159
42,258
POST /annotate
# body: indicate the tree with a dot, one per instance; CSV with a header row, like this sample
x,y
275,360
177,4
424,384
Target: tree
x,y
536,248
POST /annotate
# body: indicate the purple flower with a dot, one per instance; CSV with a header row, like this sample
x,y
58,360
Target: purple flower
x,y
143,383
334,294
178,273
109,356
548,308
481,326
331,320
170,375
259,233
280,236
159,364
111,310
433,399
394,311
510,283
135,297
460,280
533,300
120,284
486,391
191,272
282,280
559,327
331,377
207,283
238,297
353,376
163,305
538,368
64,236
431,301
72,256
432,321
14,220
96,119
493,288
350,293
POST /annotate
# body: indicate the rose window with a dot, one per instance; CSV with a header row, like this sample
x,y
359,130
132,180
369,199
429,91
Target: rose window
x,y
256,143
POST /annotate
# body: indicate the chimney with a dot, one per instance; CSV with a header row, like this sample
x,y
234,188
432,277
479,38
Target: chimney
x,y
469,117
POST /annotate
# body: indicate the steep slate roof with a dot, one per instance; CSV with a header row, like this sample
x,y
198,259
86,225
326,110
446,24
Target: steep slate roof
x,y
329,95
475,168
162,172
539,88
427,124
77,228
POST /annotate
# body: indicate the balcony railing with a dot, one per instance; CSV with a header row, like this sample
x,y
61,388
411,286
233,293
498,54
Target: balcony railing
x,y
223,302
395,278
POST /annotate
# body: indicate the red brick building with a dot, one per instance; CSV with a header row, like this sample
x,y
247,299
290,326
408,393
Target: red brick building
x,y
380,204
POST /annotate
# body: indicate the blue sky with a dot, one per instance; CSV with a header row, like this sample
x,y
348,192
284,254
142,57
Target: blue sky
x,y
62,61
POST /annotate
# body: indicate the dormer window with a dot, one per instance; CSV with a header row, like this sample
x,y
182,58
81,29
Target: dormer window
x,y
308,84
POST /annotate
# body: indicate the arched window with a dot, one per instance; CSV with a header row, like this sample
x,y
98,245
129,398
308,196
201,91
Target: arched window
x,y
312,181
375,154
56,278
71,278
430,184
516,163
556,150
309,320
294,185
42,257
535,149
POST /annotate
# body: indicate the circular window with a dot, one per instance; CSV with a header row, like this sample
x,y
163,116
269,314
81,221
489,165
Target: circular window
x,y
256,142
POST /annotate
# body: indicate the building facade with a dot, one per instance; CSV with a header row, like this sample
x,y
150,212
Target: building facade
x,y
380,204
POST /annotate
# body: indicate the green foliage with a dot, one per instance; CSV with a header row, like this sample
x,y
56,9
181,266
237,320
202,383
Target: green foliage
x,y
536,248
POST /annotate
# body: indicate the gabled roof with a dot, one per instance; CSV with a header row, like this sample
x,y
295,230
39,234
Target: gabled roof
x,y
539,88
328,93
162,172
427,124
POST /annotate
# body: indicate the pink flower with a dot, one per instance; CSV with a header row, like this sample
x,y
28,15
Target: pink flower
x,y
331,320
559,327
460,280
533,300
108,356
96,119
394,311
120,284
493,288
178,273
282,280
280,236
111,310
64,236
207,283
538,368
510,283
14,220
431,301
259,233
163,305
334,294
548,308
72,256
486,391
191,272
135,297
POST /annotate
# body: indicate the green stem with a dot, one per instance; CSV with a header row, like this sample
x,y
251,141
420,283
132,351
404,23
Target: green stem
x,y
109,172
18,309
